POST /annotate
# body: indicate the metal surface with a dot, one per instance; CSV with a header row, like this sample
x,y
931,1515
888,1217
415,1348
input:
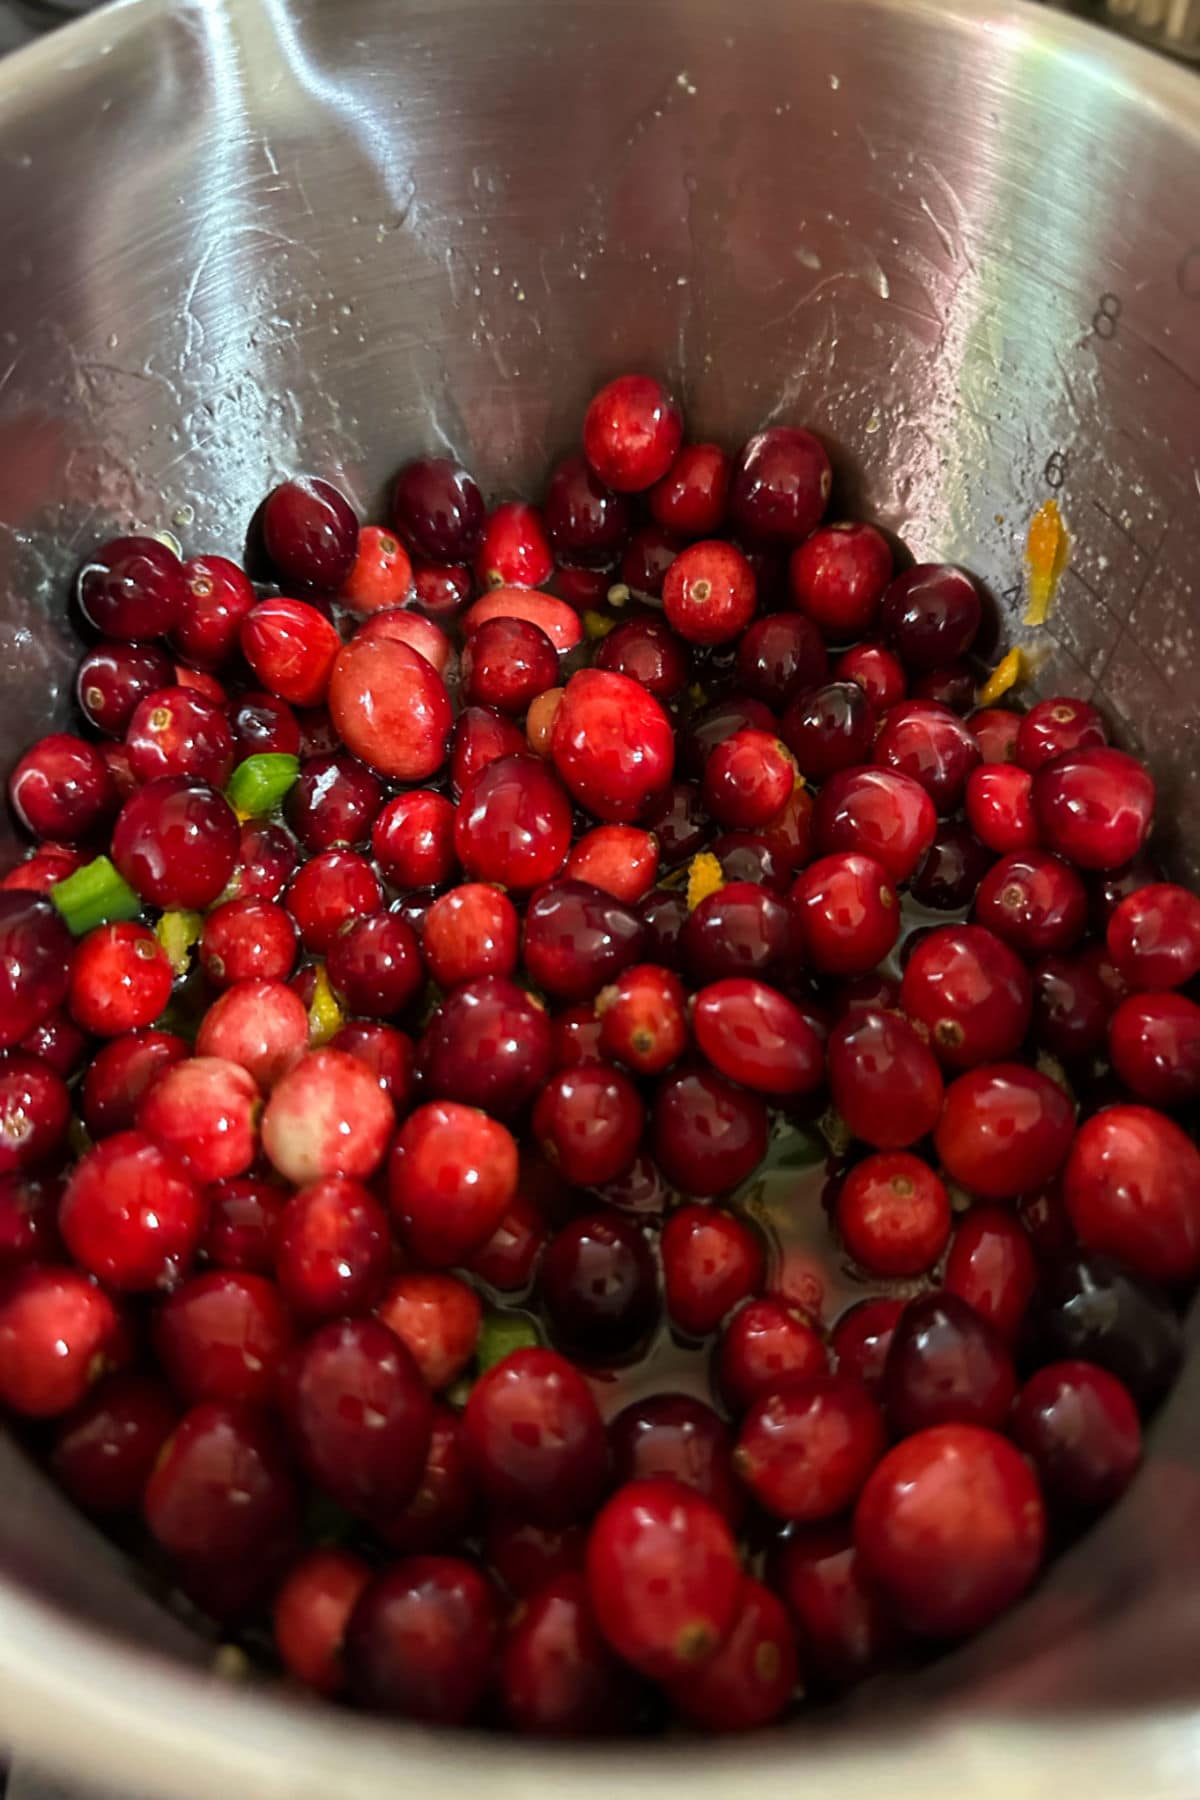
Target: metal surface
x,y
963,242
1172,25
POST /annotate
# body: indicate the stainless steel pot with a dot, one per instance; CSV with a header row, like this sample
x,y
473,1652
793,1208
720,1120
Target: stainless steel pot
x,y
241,237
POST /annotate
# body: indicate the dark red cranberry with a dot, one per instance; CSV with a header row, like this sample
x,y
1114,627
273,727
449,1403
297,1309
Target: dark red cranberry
x,y
1090,1306
838,576
765,1347
678,1436
311,1612
664,913
578,939
35,1110
947,1365
1056,727
58,1331
266,856
631,433
951,870
310,532
507,663
28,1220
334,802
351,1374
217,597
599,1286
862,1338
515,551
995,730
1131,1185
176,843
441,1511
61,788
558,1677
245,940
878,813
1072,1006
413,840
1154,1044
779,657
332,1249
805,1451
678,820
930,743
712,1261
1094,807
535,1438
489,1044
1153,936
648,652
931,613
420,1640
513,824
585,521
878,673
113,678
780,486
438,510
690,498
1034,902
330,891
707,1136
133,588
388,1053
848,912
970,992
893,1214
35,960
508,1258
441,589
1004,1130
1079,1425
999,802
588,1121
106,1448
221,1488
991,1267
742,930
375,965
120,1073
701,733
709,592
751,1679
222,1336
843,1627
243,1217
952,686
747,856
754,1035
884,1080
829,728
120,979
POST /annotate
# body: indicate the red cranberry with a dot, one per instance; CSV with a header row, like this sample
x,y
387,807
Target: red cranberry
x,y
690,498
388,1054
310,1615
931,613
515,551
848,912
991,1267
585,521
481,736
326,1116
678,819
664,913
390,707
43,869
353,1374
1154,1043
862,1338
779,657
946,1366
1094,807
648,652
267,855
56,1332
1072,1005
558,1677
805,1452
1004,1130
438,510
490,1045
838,577
757,1037
247,940
999,801
513,824
589,1121
1132,1188
202,685
970,992
260,1024
643,1019
441,589
765,1347
243,1217
707,1136
1092,1307
310,532
222,1336
1080,1427
217,597
527,1557
620,859
710,593
35,962
133,588
334,802
107,1447
35,1110
176,843
878,673
119,1075
120,979
329,892
413,840
28,1220
1034,902
712,1261
291,647
437,1316
381,575
1153,936
468,933
780,486
599,1286
440,1512
61,788
204,1109
1056,727
702,731
535,1438
113,678
646,558
332,1249
506,663
578,939
995,731
878,813
894,1214
742,930
131,1215
419,1642
928,742
375,965
843,1628
631,433
747,779
612,743
452,1176
675,1435
750,1680
221,1488
884,1080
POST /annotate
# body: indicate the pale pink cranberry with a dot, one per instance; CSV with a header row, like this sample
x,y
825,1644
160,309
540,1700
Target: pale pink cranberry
x,y
327,1116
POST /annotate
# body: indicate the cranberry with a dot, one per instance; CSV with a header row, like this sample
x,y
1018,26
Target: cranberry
x,y
330,891
438,510
765,1347
131,1215
780,486
928,742
243,1216
631,433
843,1628
56,1332
28,1220
675,1435
535,1438
878,673
1154,1043
61,788
991,1267
119,1075
750,1680
702,731
35,1110
43,869
747,779
1034,902
390,707
707,1136
1055,727
539,721
946,1365
332,1249
388,1054
779,657
664,913
879,813
1094,807
310,532
326,1116
1004,1129
893,1214
133,588
470,932
176,843
481,736
554,618
690,498
970,992
742,930
1132,1188
506,663
413,840
677,818
351,1374
931,613
515,551
1153,936
106,1448
995,731
490,1045
838,576
437,1316
829,728
1092,1307
217,597
290,647
513,824
120,979
35,962
599,1286
419,1641
747,856
247,940
441,1510
999,801
266,857
848,912
585,521
441,589
589,1121
710,593
951,870
1080,1427
334,802
643,1019
1072,1005
578,939
113,678
527,1557
884,1080
452,1176
558,1677
952,686
620,859
611,743
221,1487
648,652
222,1336
260,1024
204,1109
311,1612
757,1037
862,1338
711,1262
381,575
805,1452
375,965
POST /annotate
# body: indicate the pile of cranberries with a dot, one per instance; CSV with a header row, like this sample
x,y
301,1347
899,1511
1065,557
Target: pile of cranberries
x,y
422,950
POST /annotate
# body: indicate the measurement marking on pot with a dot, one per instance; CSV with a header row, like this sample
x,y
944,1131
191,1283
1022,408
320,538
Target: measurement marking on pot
x,y
1057,466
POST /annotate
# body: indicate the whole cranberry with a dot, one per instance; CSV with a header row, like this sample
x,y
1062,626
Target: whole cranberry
x,y
43,869
1080,1427
838,576
441,1511
176,843
707,1136
712,1261
328,892
1004,1130
663,1575
390,707
747,779
578,939
176,731
702,731
106,1448
848,912
468,933
931,613
222,1336
750,1680
260,1024
588,1121
999,803
1089,1306
690,498
375,965
648,652
893,1214
875,812
829,728
1056,727
884,1080
585,521
489,1044
742,930
59,1043
930,743
1132,1187
263,725
35,963
514,551
1154,1043
992,1268
119,1074
805,1452
780,486
61,788
413,840
441,589
631,433
131,1215
599,1286
120,979
334,802
311,1612
878,672
678,1436
451,1178
862,1338
620,859
221,1487
507,663
1034,902
332,1249
266,857
217,597
326,1116
780,656
558,1677
204,1110
709,593
57,1331
132,588
535,1438
611,743
526,1556
842,1624
290,647
755,1036
419,1642
414,630
970,992
513,824
113,677
35,1111
243,1217
765,1347
1153,936
643,1019
438,1317
481,736
28,1220
438,510
1094,807
946,1365
359,1414
310,532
